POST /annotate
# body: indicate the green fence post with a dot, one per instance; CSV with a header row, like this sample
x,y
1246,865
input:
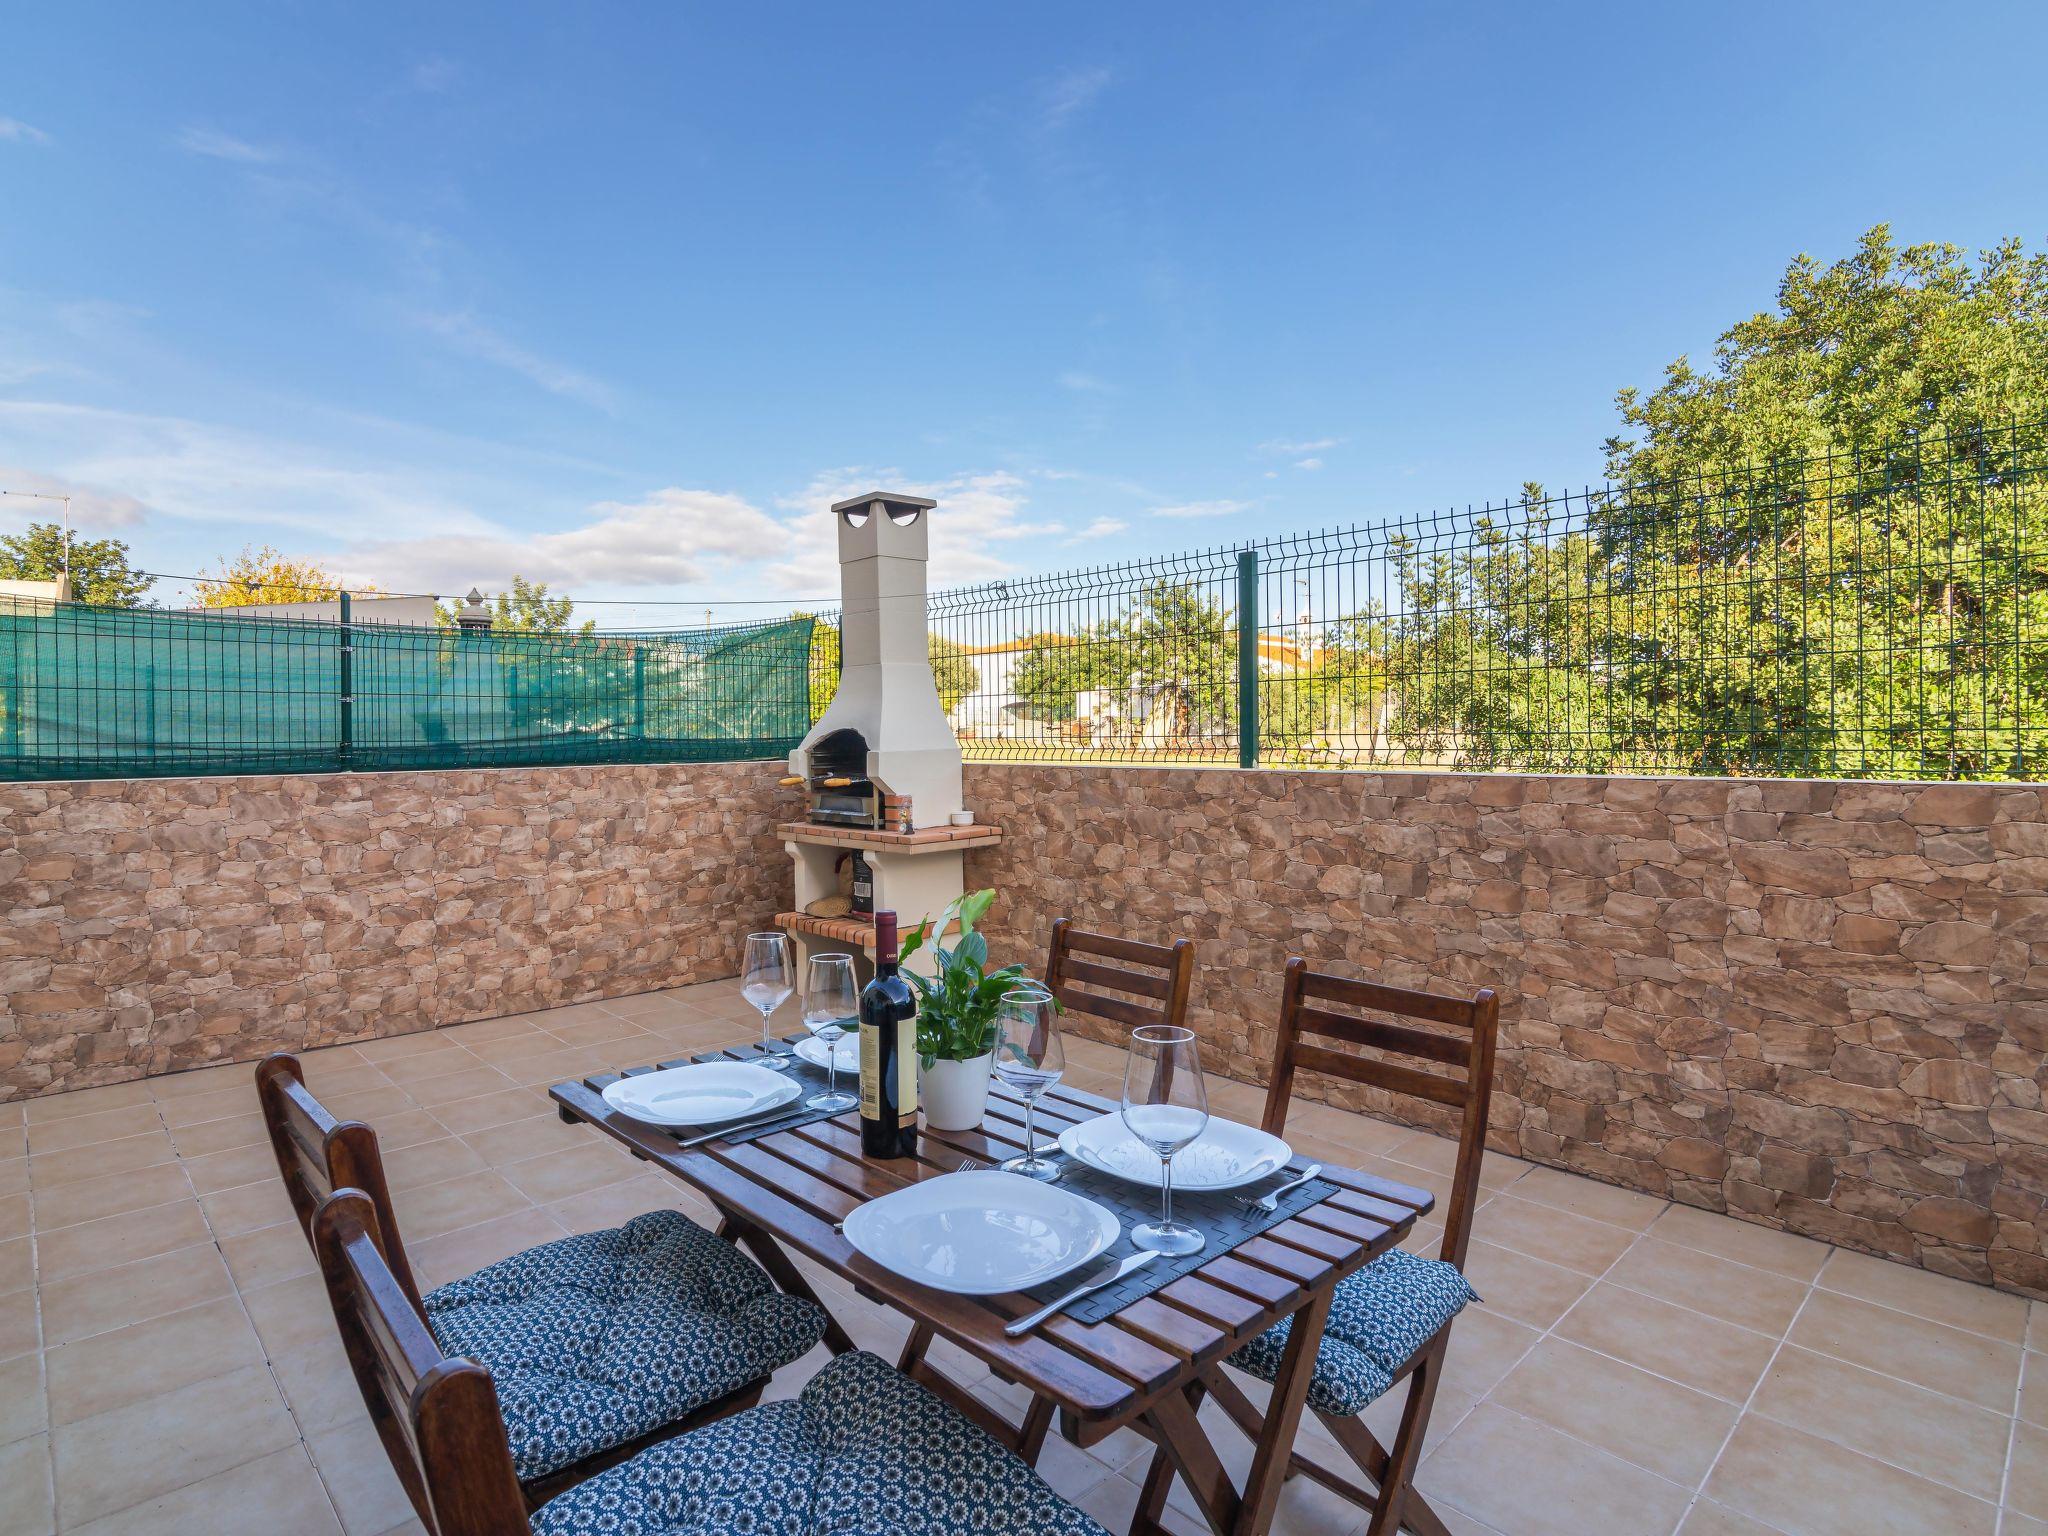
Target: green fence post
x,y
346,746
639,692
149,708
1247,658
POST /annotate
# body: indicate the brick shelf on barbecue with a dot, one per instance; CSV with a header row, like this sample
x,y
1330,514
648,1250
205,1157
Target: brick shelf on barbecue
x,y
925,840
840,930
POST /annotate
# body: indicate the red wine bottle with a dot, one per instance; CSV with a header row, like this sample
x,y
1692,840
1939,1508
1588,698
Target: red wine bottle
x,y
888,1053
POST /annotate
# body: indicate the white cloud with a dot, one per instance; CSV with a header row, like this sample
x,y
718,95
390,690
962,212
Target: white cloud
x,y
475,338
1082,383
1203,509
1069,92
977,515
15,131
1279,445
1308,463
215,145
672,537
1101,528
93,508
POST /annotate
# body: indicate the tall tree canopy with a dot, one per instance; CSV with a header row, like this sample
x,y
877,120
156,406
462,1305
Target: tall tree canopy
x,y
523,609
260,574
100,572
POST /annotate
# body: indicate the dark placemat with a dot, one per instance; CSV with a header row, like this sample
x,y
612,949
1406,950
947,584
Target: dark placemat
x,y
811,1079
1221,1216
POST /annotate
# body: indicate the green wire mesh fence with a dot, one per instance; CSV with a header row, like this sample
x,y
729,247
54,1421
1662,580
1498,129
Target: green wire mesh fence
x,y
1839,615
124,692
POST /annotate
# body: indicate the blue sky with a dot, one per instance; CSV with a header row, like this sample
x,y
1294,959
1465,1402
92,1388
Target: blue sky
x,y
619,296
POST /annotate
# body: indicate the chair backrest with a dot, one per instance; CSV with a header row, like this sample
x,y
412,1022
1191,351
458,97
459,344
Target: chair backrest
x,y
1454,1033
437,1416
318,1154
1080,964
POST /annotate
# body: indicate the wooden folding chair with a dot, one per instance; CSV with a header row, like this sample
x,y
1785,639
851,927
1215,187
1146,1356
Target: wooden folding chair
x,y
1082,967
1418,1045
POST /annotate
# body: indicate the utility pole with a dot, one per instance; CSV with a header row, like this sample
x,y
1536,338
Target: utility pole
x,y
66,503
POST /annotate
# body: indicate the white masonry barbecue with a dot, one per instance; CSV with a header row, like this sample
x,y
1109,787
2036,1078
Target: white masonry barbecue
x,y
883,738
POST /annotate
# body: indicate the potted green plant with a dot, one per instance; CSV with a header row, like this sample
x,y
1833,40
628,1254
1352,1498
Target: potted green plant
x,y
956,1012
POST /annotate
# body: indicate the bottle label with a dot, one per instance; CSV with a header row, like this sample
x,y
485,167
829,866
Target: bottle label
x,y
871,1074
906,1069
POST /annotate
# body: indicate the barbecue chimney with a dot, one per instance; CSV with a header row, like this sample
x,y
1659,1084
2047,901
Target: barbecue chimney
x,y
887,703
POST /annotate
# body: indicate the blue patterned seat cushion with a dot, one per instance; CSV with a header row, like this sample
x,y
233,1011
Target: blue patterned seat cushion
x,y
1381,1315
595,1340
860,1452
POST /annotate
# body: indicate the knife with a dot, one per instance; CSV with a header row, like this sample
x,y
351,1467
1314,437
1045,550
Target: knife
x,y
738,1126
1121,1267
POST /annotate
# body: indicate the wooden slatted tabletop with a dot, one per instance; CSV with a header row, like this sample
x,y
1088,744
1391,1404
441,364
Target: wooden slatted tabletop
x,y
790,1189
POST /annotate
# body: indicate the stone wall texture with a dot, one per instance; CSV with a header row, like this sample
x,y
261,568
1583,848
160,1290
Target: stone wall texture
x,y
1820,1006
149,925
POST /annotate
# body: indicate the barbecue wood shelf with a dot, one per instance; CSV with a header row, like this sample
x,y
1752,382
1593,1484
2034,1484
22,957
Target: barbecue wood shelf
x,y
847,931
946,839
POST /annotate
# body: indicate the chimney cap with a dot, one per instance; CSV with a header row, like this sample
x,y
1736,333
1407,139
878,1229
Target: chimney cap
x,y
889,499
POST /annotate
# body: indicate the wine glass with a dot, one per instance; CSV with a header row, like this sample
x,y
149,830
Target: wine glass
x,y
1166,1106
830,1001
766,980
1030,1059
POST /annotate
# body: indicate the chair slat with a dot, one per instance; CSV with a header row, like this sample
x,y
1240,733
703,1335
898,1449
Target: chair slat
x,y
1382,1074
1144,984
1164,983
1379,1035
1434,1006
1106,1007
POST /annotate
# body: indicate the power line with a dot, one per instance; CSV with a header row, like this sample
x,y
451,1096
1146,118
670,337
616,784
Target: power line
x,y
332,588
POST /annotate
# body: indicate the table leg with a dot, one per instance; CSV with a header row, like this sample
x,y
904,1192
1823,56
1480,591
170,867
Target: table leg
x,y
1181,1446
1283,1416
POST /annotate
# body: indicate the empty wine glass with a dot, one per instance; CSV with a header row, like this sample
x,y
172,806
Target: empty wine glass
x,y
1166,1106
1030,1059
830,1002
767,979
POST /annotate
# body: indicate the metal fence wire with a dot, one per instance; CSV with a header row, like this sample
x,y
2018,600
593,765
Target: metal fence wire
x,y
137,692
1839,615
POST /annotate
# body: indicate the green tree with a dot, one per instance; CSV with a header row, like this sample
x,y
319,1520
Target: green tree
x,y
525,609
1174,644
100,572
953,670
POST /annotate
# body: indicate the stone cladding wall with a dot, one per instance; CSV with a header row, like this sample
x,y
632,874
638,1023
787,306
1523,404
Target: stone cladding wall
x,y
1819,1006
149,925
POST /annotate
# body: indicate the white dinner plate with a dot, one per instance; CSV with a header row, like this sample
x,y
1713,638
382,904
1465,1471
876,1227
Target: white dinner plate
x,y
1225,1156
846,1048
981,1233
700,1095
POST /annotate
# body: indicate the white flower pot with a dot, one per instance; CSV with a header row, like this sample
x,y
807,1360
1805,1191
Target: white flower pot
x,y
954,1093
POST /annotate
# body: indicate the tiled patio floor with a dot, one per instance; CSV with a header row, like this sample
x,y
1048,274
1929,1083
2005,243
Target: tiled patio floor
x,y
167,1362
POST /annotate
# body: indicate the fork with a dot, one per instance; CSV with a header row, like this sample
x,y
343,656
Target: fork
x,y
967,1165
1269,1202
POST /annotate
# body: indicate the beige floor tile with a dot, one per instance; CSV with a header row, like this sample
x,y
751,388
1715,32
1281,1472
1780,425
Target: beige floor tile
x,y
111,1370
535,1136
118,1459
477,1030
225,1170
428,1162
370,1104
434,1209
291,1315
1706,1518
319,1385
88,1101
407,1128
1527,1479
23,1411
438,1260
567,1065
131,1293
119,1239
1735,1293
1689,1347
1439,1155
358,1475
270,1496
2027,1491
1656,1424
1555,1236
512,1048
1924,1432
2034,1389
1807,1486
92,1130
513,1106
2016,1524
96,1160
396,1047
13,1138
14,1175
559,1175
327,1081
616,1204
1937,1298
17,1263
26,1505
466,1084
20,1326
410,1071
219,1104
268,1254
220,1135
1515,1285
1964,1365
604,1031
182,1085
14,1216
1588,1197
1727,1237
248,1206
